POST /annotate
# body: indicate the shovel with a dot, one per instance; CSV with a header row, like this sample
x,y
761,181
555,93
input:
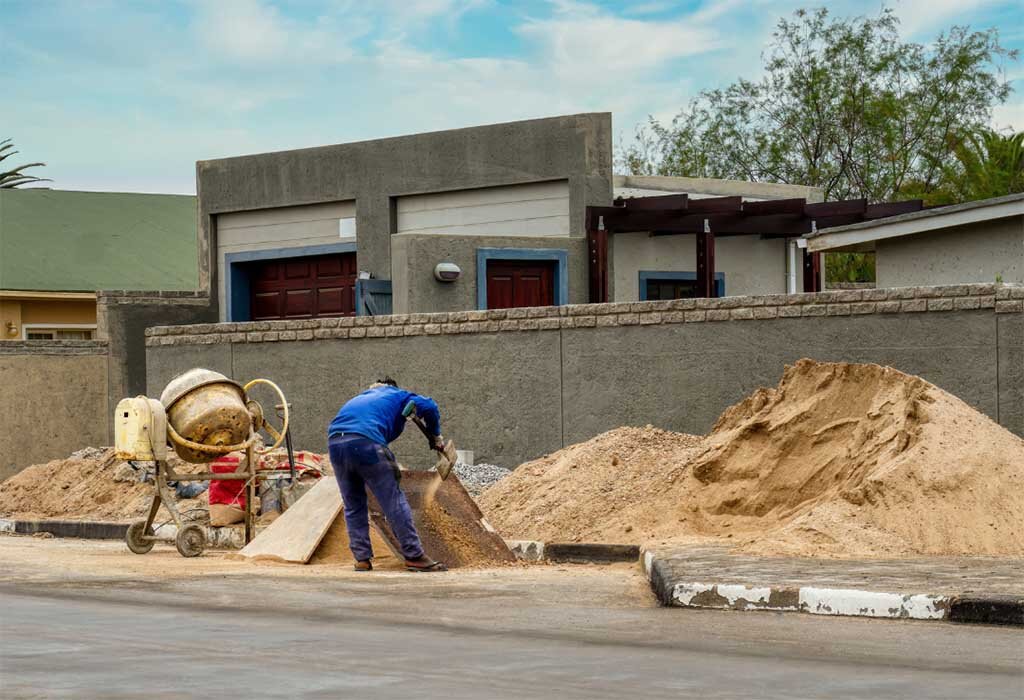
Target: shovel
x,y
447,457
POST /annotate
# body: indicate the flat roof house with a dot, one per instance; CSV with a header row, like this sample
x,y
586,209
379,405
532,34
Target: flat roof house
x,y
980,241
58,248
479,218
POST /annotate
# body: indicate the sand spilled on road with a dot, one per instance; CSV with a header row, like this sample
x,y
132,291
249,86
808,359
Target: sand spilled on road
x,y
838,460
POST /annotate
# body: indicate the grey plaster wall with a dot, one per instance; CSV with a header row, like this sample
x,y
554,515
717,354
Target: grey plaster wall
x,y
1010,349
122,320
502,399
683,376
415,290
960,255
516,384
53,402
574,148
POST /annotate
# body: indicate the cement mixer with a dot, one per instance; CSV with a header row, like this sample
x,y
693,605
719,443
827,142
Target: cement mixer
x,y
201,415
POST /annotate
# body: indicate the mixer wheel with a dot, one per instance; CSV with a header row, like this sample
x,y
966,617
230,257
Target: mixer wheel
x,y
190,540
134,537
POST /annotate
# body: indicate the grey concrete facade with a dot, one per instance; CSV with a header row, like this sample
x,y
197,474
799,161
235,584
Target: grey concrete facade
x,y
978,252
375,174
54,400
518,383
413,257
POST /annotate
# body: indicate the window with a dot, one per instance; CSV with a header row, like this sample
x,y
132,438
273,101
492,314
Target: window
x,y
59,333
661,286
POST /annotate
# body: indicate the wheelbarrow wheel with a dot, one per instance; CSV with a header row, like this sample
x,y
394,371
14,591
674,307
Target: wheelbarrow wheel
x,y
190,540
135,537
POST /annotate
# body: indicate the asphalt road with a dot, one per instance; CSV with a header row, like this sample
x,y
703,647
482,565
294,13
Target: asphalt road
x,y
331,639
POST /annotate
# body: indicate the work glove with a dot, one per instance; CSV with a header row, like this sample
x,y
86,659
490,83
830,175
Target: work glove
x,y
438,443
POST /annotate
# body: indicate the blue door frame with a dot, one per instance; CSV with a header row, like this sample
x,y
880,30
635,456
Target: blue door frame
x,y
559,255
688,276
236,277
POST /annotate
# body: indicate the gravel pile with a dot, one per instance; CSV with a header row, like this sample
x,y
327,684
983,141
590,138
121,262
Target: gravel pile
x,y
479,477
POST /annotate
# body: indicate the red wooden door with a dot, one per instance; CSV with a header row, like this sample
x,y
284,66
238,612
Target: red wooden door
x,y
318,285
512,283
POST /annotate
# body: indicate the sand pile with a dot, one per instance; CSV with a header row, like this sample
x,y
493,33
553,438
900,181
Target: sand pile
x,y
838,460
91,484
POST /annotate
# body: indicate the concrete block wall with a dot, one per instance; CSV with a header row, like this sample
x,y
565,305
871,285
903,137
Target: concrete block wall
x,y
53,400
518,383
122,318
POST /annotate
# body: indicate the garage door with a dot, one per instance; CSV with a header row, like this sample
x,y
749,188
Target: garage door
x,y
309,287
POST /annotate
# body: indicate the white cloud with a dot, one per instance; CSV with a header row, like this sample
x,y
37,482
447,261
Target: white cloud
x,y
1009,116
581,42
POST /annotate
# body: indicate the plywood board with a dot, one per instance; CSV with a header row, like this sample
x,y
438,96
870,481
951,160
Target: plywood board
x,y
294,536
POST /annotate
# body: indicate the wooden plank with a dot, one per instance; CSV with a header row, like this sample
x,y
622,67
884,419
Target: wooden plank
x,y
597,265
657,202
775,206
821,210
294,536
886,209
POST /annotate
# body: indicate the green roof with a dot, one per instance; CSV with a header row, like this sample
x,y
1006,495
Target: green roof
x,y
54,240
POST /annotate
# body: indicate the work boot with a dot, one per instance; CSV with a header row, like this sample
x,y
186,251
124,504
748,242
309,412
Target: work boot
x,y
424,563
363,565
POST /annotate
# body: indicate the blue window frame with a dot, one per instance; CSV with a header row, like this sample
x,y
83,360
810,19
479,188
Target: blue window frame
x,y
236,277
560,256
651,275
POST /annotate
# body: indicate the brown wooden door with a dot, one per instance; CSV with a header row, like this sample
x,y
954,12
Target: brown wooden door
x,y
512,283
318,285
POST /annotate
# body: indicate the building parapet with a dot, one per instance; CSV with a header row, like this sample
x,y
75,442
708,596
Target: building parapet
x,y
1000,298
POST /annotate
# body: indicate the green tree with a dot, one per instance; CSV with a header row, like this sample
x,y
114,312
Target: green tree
x,y
985,164
16,176
844,105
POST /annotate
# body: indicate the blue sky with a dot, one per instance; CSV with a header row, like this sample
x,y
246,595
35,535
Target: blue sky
x,y
127,95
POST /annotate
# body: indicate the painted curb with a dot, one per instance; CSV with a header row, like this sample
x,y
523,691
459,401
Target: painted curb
x,y
812,600
216,537
573,552
590,553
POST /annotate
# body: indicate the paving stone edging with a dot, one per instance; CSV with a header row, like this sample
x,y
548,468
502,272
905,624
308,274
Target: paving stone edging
x,y
1000,610
574,552
216,537
998,298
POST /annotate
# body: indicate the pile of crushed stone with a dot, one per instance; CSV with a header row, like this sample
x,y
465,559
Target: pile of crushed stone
x,y
477,478
839,460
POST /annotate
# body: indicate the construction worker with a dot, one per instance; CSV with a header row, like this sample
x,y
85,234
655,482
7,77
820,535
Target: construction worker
x,y
358,439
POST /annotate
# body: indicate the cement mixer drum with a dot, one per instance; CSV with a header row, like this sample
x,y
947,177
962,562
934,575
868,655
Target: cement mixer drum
x,y
206,407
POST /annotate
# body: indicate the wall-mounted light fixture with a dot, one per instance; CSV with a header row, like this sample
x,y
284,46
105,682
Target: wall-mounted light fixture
x,y
447,272
12,329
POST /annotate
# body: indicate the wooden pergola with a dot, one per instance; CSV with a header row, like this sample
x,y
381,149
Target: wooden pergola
x,y
675,214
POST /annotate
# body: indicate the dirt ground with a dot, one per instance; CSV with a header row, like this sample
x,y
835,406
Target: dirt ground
x,y
28,559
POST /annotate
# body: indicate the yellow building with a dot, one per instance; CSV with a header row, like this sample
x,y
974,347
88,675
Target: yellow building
x,y
47,315
58,248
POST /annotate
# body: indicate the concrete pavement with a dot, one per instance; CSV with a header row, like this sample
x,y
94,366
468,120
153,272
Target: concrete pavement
x,y
170,627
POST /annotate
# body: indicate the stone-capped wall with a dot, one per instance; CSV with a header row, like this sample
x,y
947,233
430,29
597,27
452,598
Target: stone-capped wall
x,y
847,302
53,400
514,384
